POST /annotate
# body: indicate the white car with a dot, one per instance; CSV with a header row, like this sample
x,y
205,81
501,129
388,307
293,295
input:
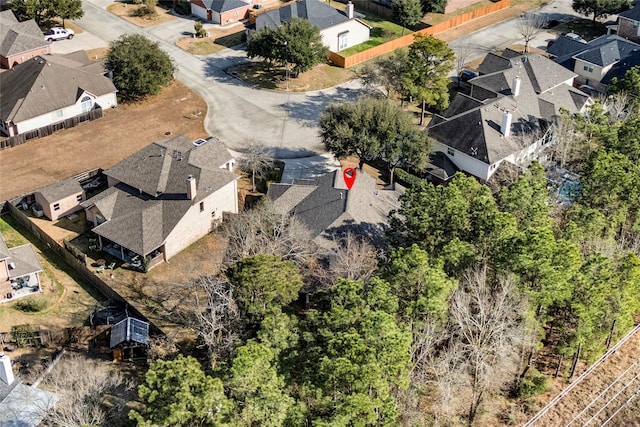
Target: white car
x,y
58,33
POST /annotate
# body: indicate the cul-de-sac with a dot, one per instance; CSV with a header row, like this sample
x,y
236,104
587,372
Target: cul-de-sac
x,y
319,213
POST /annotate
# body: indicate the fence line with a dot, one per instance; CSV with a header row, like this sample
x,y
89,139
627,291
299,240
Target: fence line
x,y
13,141
390,46
78,265
591,368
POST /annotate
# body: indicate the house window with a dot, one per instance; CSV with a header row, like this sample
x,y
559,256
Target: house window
x,y
59,114
343,40
56,207
87,104
201,206
451,152
588,68
99,219
79,197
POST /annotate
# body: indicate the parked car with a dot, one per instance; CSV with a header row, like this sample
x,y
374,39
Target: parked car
x,y
58,33
466,75
574,36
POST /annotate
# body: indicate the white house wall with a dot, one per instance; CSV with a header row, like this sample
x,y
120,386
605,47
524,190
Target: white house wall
x,y
199,11
465,162
105,101
196,224
358,33
596,74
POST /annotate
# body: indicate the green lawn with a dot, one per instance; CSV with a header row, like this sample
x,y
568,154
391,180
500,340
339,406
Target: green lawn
x,y
582,27
382,32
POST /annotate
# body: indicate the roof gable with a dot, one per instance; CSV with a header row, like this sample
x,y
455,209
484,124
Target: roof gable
x,y
37,87
19,37
316,12
221,6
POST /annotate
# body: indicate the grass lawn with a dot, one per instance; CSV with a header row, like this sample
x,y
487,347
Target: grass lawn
x,y
382,32
66,299
271,77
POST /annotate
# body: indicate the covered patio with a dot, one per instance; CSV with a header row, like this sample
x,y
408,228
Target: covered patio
x,y
142,262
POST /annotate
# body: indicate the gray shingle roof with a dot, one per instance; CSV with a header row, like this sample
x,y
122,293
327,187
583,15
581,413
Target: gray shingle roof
x,y
25,260
151,197
224,5
23,405
325,206
39,86
633,13
316,12
493,63
60,190
129,329
602,51
476,130
18,37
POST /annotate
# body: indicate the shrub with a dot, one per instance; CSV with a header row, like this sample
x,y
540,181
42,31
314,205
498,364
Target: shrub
x,y
182,8
199,29
405,178
31,305
533,384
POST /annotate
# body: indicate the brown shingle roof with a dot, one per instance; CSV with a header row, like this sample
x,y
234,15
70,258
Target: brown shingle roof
x,y
60,190
39,86
18,37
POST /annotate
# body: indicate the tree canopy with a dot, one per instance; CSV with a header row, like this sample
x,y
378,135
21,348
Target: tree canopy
x,y
600,8
296,43
429,62
408,13
140,68
43,11
372,128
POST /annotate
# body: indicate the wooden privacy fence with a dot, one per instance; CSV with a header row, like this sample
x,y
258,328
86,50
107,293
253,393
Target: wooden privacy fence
x,y
357,58
12,141
76,261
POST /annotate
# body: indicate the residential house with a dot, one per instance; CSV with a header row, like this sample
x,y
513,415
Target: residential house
x,y
329,210
598,61
506,116
19,269
21,405
43,92
223,12
162,199
628,24
20,41
339,30
60,198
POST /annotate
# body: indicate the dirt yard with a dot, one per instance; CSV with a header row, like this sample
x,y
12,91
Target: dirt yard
x,y
69,300
219,38
101,143
124,10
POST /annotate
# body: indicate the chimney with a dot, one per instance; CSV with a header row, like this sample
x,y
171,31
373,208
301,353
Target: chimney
x,y
515,88
191,188
506,123
350,10
6,372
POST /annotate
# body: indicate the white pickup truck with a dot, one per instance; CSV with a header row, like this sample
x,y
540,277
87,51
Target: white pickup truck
x,y
58,33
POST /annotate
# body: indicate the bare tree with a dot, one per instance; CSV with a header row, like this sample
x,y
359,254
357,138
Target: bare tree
x,y
215,316
353,258
256,160
464,52
488,323
90,393
529,26
265,230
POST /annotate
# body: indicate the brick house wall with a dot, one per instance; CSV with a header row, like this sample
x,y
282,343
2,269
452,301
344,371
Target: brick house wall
x,y
9,62
629,29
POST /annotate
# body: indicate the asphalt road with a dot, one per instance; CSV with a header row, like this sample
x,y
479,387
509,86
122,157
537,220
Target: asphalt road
x,y
239,114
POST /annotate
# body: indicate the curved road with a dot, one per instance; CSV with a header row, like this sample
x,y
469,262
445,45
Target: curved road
x,y
238,114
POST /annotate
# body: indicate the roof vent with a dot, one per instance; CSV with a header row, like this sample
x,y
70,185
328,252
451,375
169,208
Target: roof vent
x,y
41,86
12,266
178,155
474,151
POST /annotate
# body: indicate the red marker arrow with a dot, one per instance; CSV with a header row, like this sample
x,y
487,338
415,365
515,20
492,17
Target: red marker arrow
x,y
349,175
